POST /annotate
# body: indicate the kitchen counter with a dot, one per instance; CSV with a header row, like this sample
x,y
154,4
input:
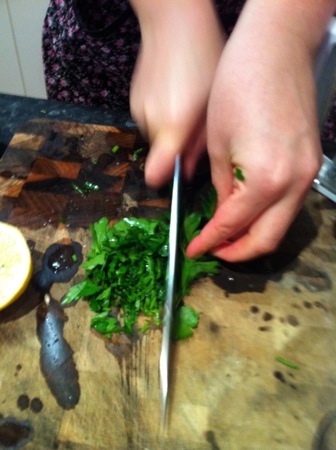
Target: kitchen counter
x,y
260,370
15,110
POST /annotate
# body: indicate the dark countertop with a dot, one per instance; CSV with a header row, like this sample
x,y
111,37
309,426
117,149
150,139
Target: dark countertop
x,y
15,110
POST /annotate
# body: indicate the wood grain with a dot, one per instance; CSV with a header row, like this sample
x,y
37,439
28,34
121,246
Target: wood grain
x,y
228,391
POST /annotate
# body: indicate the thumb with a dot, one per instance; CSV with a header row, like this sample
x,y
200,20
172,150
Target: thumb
x,y
160,161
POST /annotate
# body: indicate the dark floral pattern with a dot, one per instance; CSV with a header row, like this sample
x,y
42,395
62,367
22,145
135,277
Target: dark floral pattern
x,y
89,51
329,130
90,48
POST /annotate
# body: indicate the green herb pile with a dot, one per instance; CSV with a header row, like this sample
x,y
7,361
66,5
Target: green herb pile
x,y
126,273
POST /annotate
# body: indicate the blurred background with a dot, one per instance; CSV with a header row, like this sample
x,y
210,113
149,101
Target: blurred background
x,y
20,47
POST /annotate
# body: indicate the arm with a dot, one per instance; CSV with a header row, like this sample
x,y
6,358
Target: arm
x,y
262,118
181,45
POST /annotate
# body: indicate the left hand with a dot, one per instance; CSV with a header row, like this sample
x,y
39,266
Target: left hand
x,y
262,119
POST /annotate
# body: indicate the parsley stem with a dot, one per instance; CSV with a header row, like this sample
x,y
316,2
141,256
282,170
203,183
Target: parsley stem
x,y
287,363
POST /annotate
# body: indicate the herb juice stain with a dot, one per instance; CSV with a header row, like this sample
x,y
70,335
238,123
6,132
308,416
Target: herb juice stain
x,y
59,264
56,355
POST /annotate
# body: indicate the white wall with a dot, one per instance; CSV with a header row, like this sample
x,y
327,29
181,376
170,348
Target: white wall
x,y
21,70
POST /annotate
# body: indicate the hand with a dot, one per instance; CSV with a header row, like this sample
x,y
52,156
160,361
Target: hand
x,y
181,47
262,119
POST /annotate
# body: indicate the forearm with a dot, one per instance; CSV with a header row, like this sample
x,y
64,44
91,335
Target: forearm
x,y
301,21
155,17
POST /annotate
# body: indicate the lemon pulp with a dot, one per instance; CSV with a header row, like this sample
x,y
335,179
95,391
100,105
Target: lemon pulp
x,y
15,264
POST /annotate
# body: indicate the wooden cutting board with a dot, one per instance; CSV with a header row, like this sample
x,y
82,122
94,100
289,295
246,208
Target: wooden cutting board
x,y
228,390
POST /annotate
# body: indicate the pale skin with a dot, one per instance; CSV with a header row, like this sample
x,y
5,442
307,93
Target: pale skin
x,y
250,101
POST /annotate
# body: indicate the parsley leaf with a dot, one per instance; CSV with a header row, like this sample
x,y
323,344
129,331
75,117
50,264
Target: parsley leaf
x,y
84,289
185,319
209,203
126,270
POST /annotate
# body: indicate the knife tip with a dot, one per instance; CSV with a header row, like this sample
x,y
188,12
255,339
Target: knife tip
x,y
163,427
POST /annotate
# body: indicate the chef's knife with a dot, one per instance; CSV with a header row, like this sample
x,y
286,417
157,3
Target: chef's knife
x,y
170,288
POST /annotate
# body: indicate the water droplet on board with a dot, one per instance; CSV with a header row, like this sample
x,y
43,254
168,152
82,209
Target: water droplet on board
x,y
264,328
267,316
279,376
313,279
23,402
15,433
292,320
36,405
56,356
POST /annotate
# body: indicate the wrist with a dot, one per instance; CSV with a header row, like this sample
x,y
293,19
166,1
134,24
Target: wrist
x,y
303,22
175,17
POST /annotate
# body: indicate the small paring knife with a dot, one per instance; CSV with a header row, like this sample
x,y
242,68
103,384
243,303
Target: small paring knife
x,y
170,288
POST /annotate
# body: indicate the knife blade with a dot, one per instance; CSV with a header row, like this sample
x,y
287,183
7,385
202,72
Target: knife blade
x,y
170,288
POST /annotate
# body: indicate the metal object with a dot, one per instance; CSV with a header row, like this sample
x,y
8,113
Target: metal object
x,y
325,75
171,270
325,183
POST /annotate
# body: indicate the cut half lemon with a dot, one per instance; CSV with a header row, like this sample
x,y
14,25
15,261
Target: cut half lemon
x,y
15,264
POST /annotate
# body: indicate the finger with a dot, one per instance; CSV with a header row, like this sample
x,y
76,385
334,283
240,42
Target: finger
x,y
165,146
160,161
264,235
237,211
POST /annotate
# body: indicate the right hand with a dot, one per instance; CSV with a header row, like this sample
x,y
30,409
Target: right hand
x,y
172,81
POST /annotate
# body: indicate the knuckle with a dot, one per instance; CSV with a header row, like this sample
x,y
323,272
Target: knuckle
x,y
279,170
275,179
264,246
221,229
311,167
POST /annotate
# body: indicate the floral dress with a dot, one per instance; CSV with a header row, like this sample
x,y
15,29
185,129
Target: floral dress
x,y
90,48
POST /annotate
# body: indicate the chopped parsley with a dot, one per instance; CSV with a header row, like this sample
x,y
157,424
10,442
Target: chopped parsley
x,y
185,319
239,174
126,272
86,187
134,156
